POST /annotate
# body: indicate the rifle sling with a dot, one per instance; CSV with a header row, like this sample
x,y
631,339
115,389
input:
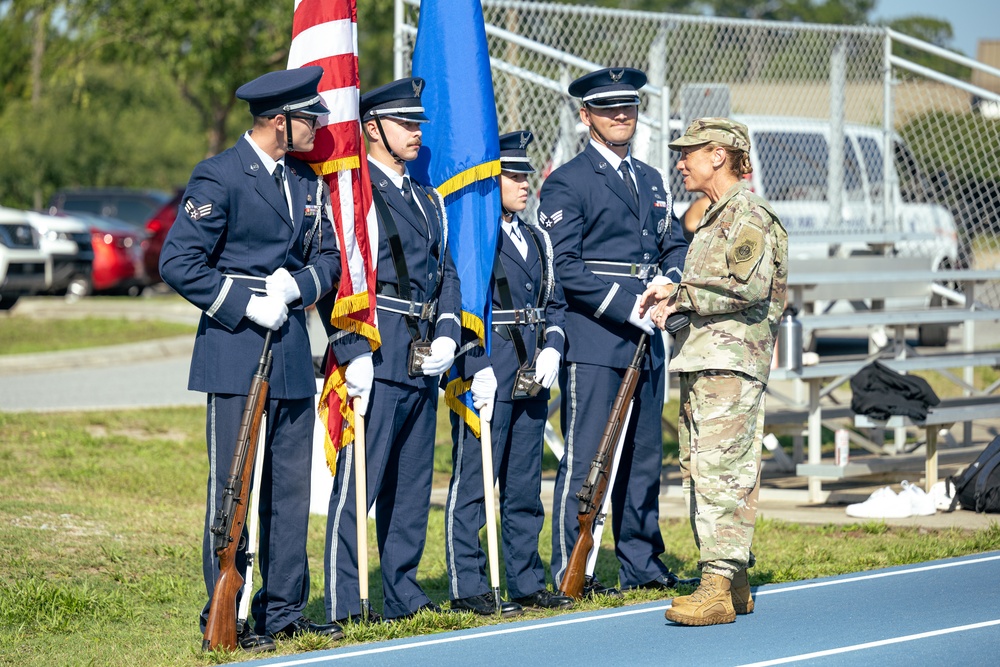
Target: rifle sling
x,y
398,258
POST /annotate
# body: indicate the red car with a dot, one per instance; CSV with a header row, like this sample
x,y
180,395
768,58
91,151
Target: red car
x,y
119,249
156,230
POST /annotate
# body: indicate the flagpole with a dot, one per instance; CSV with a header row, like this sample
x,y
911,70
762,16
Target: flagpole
x,y
486,441
361,506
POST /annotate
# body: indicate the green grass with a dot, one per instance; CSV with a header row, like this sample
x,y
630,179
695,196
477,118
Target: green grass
x,y
100,531
25,335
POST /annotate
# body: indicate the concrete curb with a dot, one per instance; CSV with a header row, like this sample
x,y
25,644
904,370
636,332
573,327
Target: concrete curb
x,y
17,364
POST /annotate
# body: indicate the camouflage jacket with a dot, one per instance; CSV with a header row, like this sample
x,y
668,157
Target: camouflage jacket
x,y
733,287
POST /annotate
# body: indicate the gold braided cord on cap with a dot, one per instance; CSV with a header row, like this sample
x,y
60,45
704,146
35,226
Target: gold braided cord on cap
x,y
469,176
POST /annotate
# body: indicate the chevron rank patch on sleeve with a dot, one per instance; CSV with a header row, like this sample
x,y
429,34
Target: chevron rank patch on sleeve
x,y
549,221
197,212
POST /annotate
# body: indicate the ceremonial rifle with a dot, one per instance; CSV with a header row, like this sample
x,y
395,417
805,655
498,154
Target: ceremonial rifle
x,y
596,485
220,630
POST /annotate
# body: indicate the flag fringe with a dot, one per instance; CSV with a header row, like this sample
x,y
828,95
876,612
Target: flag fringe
x,y
333,166
335,383
452,398
469,176
475,324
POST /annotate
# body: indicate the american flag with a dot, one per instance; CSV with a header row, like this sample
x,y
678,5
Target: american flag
x,y
325,33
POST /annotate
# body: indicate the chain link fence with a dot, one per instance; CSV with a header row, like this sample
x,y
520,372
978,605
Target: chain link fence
x,y
855,147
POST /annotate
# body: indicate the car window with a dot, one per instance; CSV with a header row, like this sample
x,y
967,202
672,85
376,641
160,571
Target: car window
x,y
135,212
854,184
83,205
794,165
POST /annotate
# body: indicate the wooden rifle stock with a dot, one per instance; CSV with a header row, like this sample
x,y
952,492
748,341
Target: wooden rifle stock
x,y
220,630
596,485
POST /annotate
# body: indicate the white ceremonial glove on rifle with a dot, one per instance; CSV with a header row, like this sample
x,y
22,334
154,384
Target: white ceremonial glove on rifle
x,y
547,367
359,376
281,285
268,311
484,391
442,356
644,322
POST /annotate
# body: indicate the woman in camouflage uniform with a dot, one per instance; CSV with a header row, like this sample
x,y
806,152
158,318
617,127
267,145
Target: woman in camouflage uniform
x,y
733,291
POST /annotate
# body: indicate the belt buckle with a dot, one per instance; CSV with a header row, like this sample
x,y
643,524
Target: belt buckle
x,y
641,271
427,310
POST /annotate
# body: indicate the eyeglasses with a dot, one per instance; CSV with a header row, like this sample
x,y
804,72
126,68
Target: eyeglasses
x,y
311,121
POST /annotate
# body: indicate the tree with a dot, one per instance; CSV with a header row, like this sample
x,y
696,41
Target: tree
x,y
209,49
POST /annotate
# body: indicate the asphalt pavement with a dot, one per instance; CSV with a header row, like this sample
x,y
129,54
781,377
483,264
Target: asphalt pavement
x,y
155,373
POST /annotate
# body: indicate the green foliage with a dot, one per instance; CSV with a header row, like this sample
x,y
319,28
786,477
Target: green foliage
x,y
99,125
933,31
23,335
966,134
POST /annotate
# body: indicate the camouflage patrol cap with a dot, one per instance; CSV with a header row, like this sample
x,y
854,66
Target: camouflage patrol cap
x,y
723,131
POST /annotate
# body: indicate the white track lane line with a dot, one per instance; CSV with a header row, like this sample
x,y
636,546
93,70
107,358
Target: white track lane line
x,y
868,645
432,641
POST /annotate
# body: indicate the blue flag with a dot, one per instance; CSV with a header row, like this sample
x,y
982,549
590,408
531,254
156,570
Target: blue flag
x,y
461,157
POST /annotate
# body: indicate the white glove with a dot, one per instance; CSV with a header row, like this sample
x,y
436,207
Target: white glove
x,y
661,280
644,322
267,311
359,377
442,356
281,285
484,391
547,367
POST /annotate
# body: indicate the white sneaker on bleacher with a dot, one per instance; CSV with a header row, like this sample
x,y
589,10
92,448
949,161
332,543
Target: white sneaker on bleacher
x,y
921,503
883,504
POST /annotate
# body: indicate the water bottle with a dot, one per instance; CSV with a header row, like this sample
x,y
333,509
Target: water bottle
x,y
790,341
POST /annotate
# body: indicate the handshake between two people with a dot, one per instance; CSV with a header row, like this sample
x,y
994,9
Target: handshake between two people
x,y
657,307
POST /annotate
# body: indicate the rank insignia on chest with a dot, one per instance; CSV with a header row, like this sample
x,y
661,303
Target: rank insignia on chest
x,y
549,221
197,212
312,210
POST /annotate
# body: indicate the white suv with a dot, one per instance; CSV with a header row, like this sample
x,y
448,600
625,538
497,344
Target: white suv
x,y
23,266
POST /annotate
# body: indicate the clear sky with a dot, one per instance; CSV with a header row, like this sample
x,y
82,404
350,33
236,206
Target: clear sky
x,y
971,20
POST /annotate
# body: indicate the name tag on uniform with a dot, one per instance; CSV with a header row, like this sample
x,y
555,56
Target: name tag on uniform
x,y
312,210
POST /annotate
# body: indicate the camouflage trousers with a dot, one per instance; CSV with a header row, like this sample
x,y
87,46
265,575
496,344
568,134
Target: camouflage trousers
x,y
721,429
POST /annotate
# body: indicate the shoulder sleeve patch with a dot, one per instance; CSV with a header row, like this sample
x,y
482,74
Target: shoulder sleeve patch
x,y
196,212
745,251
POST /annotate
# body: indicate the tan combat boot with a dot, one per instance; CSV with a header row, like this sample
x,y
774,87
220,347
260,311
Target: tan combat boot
x,y
711,604
740,592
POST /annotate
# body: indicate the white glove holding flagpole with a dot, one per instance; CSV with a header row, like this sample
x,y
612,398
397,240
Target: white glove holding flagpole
x,y
359,376
484,391
442,356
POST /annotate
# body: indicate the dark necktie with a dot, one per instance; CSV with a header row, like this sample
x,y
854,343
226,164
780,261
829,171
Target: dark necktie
x,y
279,170
408,196
629,183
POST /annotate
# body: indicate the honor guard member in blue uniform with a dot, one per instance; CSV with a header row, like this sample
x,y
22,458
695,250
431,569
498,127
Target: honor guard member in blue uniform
x,y
610,220
526,347
419,309
252,247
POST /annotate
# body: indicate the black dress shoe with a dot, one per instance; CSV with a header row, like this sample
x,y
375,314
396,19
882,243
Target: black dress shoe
x,y
668,582
545,599
370,617
303,625
592,587
251,642
427,606
485,605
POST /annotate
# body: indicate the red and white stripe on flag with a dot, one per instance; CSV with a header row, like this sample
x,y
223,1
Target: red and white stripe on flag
x,y
325,33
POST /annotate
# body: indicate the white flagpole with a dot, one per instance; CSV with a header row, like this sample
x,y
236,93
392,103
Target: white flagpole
x,y
606,505
252,521
486,440
361,506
